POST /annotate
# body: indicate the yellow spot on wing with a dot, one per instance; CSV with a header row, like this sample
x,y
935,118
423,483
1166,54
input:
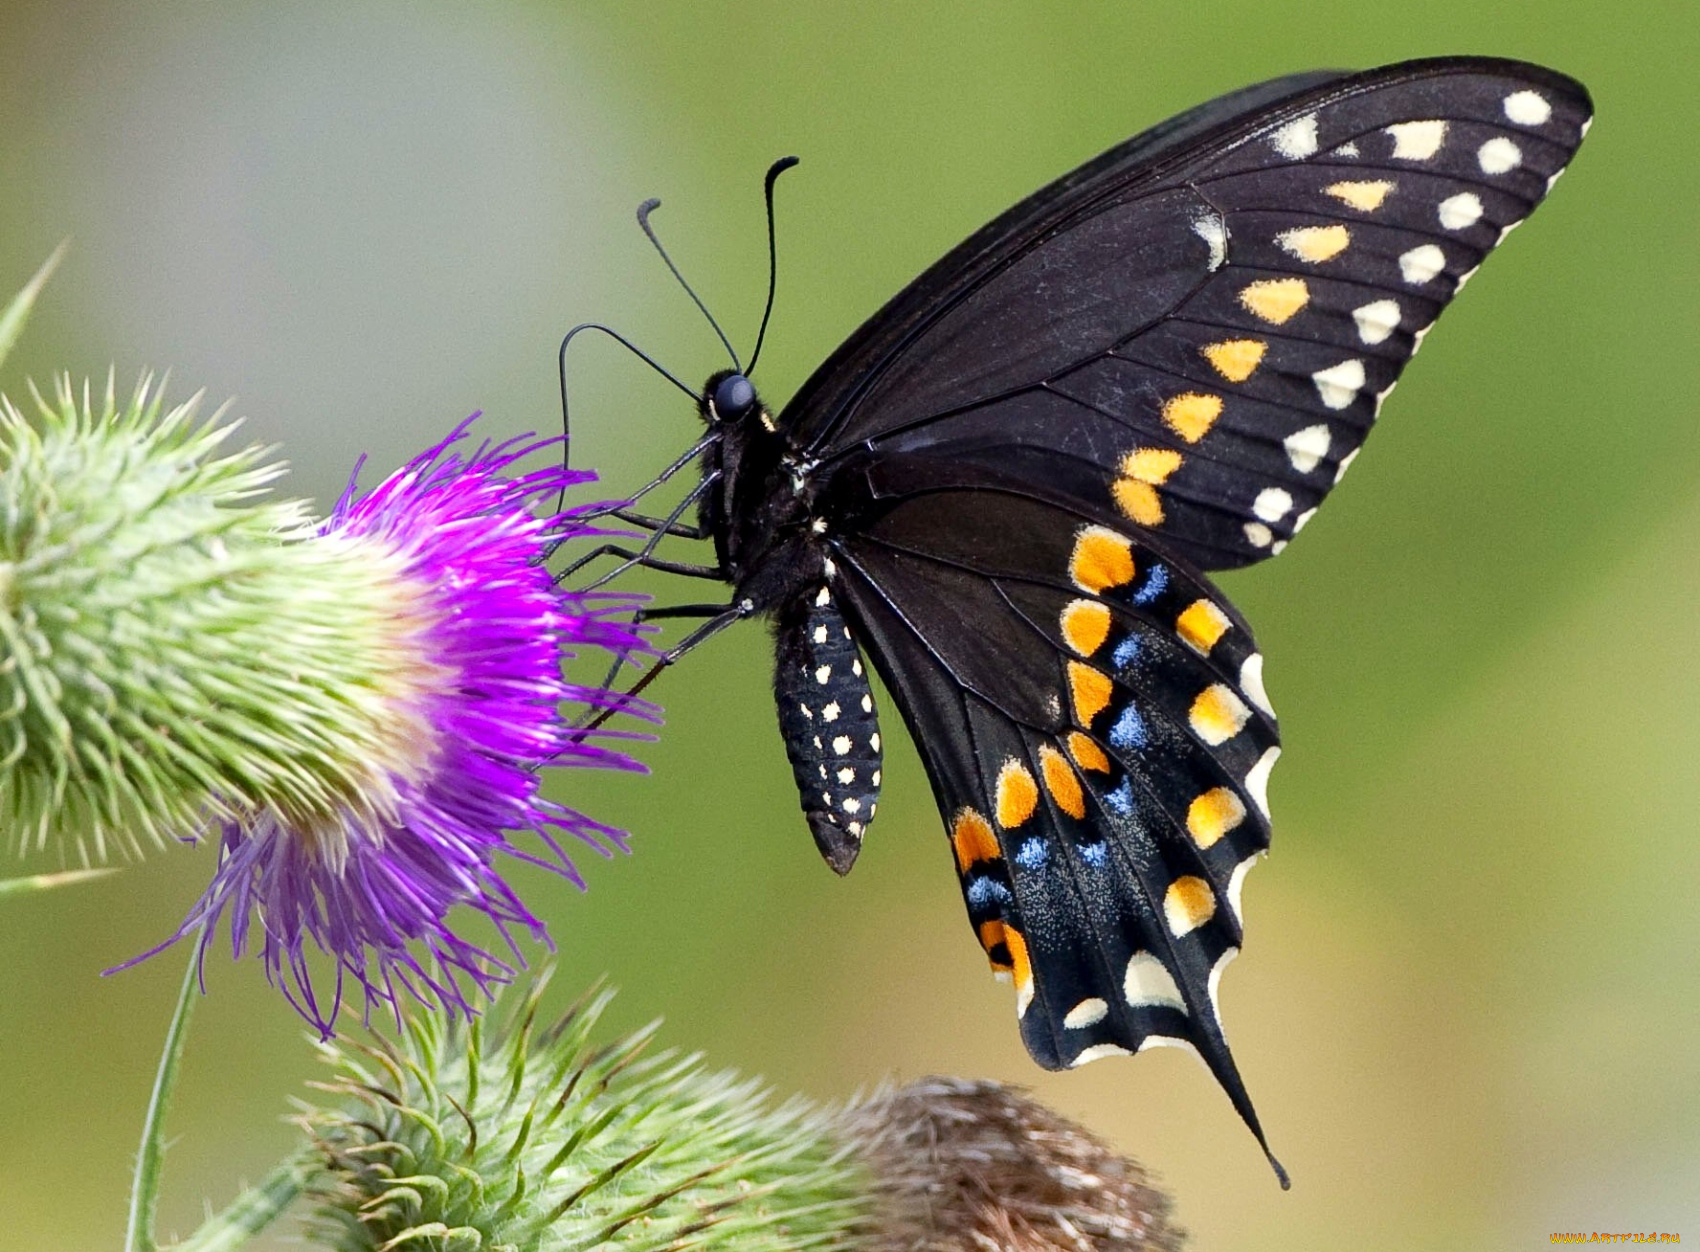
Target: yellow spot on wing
x,y
1365,196
1276,300
1061,782
1192,414
1188,904
1151,465
1018,794
1020,967
1144,470
972,838
1085,625
1235,359
1090,691
1315,244
1087,754
1200,625
1213,815
1102,559
1218,714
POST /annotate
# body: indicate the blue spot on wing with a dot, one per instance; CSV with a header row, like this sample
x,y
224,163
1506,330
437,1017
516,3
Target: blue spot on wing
x,y
1121,799
983,891
1095,854
1129,730
1032,854
1127,652
1156,582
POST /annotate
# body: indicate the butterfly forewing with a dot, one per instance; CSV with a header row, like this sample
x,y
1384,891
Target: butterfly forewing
x,y
1199,345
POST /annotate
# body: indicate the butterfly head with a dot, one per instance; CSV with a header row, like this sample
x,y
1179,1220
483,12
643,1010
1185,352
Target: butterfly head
x,y
729,398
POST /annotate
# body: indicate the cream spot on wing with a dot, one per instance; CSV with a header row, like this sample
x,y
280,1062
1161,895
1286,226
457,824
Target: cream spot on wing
x,y
1251,682
1098,1052
1257,779
1315,244
1376,320
1148,981
1306,448
1087,1013
1276,300
1272,504
1527,108
1297,139
1303,520
1214,231
1338,385
1215,983
1258,535
1499,156
1236,882
1366,197
1421,264
1417,141
1461,211
1169,1041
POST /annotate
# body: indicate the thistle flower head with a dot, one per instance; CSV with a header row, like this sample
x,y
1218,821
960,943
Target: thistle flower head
x,y
538,1140
357,710
541,1140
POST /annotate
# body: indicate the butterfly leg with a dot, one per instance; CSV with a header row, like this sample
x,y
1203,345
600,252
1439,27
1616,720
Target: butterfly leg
x,y
724,615
646,557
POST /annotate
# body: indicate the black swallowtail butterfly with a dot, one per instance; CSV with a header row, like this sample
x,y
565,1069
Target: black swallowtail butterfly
x,y
1005,487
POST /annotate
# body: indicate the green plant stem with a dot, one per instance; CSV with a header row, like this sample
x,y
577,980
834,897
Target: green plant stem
x,y
256,1208
144,1190
45,882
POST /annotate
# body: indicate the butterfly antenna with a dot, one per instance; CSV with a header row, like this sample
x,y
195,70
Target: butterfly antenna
x,y
644,210
773,173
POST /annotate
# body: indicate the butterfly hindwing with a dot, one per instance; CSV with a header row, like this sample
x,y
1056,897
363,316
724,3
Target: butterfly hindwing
x,y
1197,333
1099,743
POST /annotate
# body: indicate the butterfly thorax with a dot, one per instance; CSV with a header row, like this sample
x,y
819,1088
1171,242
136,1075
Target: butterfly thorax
x,y
759,510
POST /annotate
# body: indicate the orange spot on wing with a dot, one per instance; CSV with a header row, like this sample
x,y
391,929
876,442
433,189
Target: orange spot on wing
x,y
1061,782
1143,471
1101,559
972,838
1018,794
1218,714
1201,624
1090,691
1276,300
1191,414
1086,754
1315,244
1213,815
1188,904
1363,196
1085,625
1020,967
1235,359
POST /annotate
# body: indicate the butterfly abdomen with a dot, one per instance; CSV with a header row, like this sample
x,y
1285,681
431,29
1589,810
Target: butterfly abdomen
x,y
831,729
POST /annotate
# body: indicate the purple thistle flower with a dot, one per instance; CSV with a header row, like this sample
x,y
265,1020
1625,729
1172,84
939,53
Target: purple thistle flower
x,y
468,710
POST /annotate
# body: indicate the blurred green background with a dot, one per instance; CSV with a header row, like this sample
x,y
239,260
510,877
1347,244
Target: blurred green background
x,y
1470,1006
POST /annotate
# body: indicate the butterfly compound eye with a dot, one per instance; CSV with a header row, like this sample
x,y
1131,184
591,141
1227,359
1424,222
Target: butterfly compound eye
x,y
733,396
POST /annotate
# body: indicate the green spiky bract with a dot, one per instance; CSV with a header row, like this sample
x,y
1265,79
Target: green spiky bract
x,y
537,1140
165,661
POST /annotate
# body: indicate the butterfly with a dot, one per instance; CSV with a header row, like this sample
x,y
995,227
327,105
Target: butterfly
x,y
1006,488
